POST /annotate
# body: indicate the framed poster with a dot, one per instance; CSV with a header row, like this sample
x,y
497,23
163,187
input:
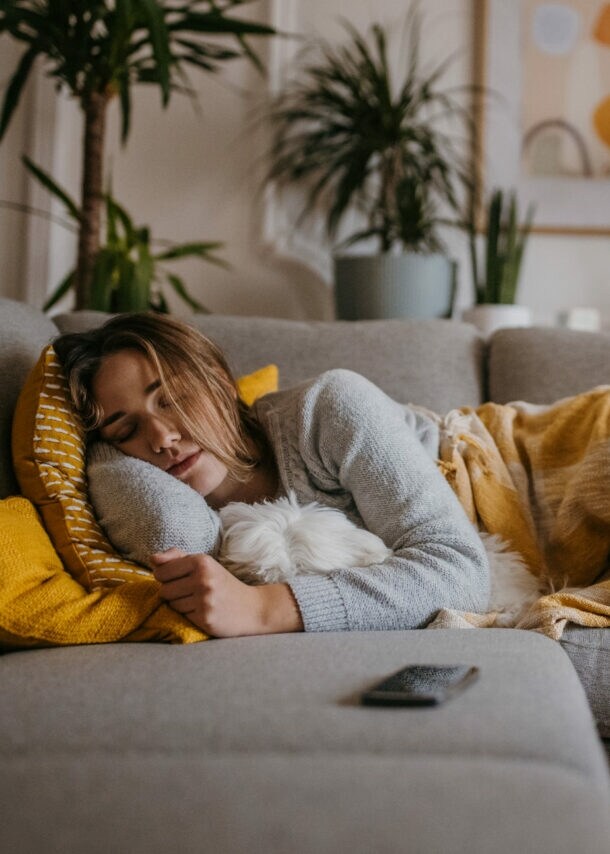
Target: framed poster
x,y
542,114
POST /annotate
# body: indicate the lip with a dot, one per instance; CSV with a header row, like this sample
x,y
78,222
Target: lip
x,y
184,464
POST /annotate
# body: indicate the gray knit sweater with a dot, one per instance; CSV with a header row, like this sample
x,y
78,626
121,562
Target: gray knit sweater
x,y
338,440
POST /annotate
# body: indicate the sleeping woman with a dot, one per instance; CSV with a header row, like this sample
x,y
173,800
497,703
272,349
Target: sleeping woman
x,y
159,391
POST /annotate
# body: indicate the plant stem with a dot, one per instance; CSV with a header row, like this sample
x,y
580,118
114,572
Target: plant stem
x,y
94,107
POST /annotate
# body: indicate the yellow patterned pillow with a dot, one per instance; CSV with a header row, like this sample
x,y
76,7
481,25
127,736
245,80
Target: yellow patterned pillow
x,y
42,605
49,462
255,385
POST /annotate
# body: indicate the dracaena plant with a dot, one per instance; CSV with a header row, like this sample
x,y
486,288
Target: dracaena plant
x,y
130,271
97,50
497,278
356,136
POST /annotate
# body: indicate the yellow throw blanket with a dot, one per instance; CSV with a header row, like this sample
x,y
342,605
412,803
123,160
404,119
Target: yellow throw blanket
x,y
539,476
41,605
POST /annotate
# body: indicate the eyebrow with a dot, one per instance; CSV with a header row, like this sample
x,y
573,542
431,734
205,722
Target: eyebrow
x,y
153,386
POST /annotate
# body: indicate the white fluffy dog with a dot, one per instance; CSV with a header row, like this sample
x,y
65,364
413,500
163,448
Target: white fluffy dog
x,y
274,541
513,587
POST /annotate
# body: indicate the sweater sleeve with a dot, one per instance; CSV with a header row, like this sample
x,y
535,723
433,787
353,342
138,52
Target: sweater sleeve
x,y
357,439
143,509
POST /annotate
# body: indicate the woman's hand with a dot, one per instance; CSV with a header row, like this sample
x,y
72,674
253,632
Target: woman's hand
x,y
199,587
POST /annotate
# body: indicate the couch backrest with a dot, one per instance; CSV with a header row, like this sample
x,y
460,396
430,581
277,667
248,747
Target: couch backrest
x,y
436,363
541,365
24,331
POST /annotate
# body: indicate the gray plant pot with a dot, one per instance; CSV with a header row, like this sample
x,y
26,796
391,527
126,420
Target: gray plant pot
x,y
372,287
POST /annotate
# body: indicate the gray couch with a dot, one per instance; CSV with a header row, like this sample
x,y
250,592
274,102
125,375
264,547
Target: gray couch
x,y
261,744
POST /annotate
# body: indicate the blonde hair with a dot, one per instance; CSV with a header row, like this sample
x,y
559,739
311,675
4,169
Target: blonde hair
x,y
194,375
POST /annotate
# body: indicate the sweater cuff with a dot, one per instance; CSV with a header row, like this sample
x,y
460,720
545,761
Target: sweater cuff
x,y
320,603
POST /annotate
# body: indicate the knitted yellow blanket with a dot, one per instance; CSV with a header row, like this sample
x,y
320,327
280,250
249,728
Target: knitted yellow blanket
x,y
41,605
539,476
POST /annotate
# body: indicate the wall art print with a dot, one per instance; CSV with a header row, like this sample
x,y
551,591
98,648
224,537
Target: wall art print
x,y
543,123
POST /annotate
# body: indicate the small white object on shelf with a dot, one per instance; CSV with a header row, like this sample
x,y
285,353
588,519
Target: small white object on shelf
x,y
585,319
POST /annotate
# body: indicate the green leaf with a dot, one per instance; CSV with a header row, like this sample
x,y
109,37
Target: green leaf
x,y
154,16
116,213
15,87
135,278
178,285
199,249
104,280
125,100
54,188
60,291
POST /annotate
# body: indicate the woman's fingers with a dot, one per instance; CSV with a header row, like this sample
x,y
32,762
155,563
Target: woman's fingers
x,y
171,564
167,555
213,599
186,605
177,589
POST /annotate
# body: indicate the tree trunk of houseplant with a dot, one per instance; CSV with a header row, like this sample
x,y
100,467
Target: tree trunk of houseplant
x,y
94,106
372,287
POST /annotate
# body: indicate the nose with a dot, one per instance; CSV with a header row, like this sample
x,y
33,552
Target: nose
x,y
162,434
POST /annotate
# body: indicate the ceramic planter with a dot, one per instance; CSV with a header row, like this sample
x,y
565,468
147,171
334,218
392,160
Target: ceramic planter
x,y
489,317
372,287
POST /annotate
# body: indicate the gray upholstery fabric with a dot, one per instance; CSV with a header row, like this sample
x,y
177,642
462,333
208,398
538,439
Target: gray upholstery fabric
x,y
544,365
260,745
589,650
436,363
24,331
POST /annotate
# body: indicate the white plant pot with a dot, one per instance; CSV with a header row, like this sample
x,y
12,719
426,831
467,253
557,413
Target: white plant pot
x,y
489,317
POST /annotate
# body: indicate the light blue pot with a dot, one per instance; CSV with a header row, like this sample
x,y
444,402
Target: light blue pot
x,y
373,287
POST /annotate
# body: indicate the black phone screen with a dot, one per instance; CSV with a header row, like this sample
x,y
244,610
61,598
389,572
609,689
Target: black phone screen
x,y
421,685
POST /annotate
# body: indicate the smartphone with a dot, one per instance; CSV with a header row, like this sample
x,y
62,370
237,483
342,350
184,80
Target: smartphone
x,y
421,685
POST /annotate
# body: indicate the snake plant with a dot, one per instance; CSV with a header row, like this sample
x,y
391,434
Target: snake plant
x,y
496,280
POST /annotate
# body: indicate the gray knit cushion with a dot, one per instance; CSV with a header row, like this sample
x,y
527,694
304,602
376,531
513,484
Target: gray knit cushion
x,y
544,365
168,513
589,650
435,363
24,331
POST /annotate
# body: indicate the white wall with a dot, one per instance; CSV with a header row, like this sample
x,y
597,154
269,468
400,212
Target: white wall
x,y
13,225
198,176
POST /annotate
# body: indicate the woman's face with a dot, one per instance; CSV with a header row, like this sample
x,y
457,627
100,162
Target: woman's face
x,y
138,420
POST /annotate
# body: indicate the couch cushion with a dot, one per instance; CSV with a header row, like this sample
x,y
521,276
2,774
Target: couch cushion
x,y
589,650
543,365
435,363
23,333
261,745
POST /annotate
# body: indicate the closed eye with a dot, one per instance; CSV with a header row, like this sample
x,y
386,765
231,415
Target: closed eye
x,y
123,437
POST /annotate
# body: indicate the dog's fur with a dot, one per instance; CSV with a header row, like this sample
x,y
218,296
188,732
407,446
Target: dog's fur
x,y
513,588
274,541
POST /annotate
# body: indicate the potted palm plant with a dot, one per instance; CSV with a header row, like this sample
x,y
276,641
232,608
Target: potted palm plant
x,y
96,50
129,271
496,280
359,141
